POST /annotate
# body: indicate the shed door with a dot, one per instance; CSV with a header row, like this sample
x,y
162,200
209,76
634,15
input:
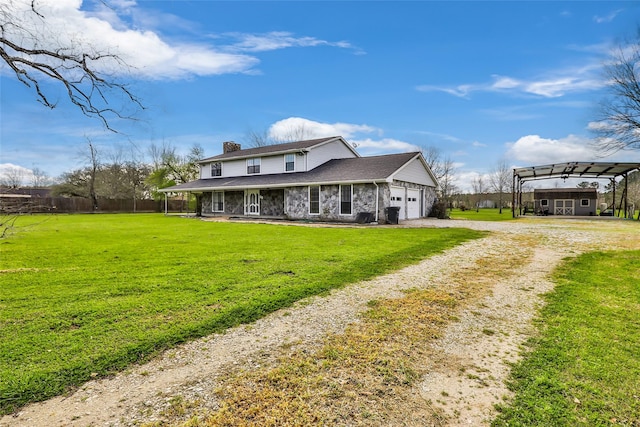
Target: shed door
x,y
398,199
413,203
563,207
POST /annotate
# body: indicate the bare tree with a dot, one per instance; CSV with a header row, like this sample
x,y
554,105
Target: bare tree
x,y
446,185
434,159
256,139
12,177
619,125
500,180
94,164
479,188
39,178
25,41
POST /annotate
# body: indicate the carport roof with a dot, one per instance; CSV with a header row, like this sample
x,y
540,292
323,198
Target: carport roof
x,y
575,169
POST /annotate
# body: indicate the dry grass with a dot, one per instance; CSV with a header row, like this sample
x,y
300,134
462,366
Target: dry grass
x,y
366,375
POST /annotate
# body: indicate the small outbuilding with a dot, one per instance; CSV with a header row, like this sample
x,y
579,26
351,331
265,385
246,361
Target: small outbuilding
x,y
565,201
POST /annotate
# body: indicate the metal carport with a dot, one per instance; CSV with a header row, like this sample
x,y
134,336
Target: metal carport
x,y
610,170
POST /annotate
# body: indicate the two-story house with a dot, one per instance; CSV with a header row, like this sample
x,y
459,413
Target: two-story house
x,y
321,179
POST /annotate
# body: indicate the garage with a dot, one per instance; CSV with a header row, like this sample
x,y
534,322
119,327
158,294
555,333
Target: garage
x,y
398,200
413,203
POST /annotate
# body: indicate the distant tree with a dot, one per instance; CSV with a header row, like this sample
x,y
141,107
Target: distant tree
x,y
26,41
12,177
479,188
39,178
256,139
618,126
587,184
170,168
501,182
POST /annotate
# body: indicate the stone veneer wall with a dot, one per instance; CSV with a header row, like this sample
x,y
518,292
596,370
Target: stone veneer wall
x,y
297,202
233,203
272,202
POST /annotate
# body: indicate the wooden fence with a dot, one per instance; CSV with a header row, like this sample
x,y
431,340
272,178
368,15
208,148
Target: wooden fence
x,y
83,205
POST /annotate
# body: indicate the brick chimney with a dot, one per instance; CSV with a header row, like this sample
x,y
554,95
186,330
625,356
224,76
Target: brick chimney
x,y
229,146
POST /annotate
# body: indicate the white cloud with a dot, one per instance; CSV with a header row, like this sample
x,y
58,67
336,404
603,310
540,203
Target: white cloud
x,y
551,85
300,128
385,145
305,128
533,149
122,28
607,18
278,40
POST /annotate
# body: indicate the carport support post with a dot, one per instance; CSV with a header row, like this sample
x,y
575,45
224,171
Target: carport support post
x,y
626,196
513,195
613,182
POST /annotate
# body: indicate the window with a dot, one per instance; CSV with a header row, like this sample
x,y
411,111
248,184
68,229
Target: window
x,y
289,162
585,202
345,199
216,169
217,202
253,165
314,200
544,202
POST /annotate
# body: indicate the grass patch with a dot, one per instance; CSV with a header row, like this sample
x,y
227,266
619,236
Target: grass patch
x,y
84,296
483,214
584,367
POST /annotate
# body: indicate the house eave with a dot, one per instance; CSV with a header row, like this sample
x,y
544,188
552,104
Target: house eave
x,y
265,186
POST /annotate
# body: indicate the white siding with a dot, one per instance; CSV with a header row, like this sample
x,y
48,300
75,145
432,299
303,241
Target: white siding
x,y
205,171
326,152
415,172
272,164
235,168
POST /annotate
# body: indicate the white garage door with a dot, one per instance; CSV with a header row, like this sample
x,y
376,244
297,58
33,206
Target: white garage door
x,y
413,203
398,199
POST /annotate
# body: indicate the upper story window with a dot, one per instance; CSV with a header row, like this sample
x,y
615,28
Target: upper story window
x,y
289,162
216,169
253,165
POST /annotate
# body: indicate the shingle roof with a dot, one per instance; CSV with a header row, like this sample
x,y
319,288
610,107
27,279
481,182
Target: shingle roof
x,y
271,149
351,170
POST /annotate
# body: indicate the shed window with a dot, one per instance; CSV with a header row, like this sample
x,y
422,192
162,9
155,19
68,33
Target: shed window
x,y
216,169
314,200
253,165
217,202
585,202
346,192
544,202
289,162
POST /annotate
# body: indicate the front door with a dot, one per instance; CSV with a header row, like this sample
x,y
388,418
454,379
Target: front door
x,y
252,202
563,207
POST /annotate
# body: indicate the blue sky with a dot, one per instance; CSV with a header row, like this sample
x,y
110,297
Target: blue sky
x,y
480,81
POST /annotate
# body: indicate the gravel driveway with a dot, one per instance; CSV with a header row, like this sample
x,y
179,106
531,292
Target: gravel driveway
x,y
465,380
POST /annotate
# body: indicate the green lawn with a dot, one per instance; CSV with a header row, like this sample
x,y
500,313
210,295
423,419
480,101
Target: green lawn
x,y
87,295
483,214
584,368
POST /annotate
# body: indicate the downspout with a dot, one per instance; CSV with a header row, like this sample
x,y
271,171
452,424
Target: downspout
x,y
377,199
